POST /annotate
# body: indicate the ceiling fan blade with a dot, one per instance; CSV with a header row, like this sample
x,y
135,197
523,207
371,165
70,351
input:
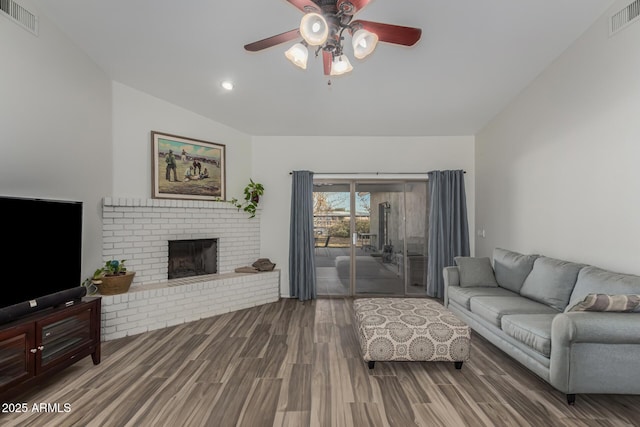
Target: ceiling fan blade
x,y
305,5
351,7
272,41
327,58
407,36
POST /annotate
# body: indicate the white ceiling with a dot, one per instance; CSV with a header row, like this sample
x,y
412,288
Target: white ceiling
x,y
473,58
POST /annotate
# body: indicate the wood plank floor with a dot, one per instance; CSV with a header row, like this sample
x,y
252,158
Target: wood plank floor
x,y
298,364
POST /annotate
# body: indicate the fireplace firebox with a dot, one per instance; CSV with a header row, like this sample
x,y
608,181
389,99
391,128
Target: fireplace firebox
x,y
194,257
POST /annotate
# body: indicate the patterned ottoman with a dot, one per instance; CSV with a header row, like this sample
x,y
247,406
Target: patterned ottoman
x,y
410,329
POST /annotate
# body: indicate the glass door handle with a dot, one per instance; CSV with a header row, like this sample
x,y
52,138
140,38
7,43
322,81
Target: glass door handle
x,y
355,238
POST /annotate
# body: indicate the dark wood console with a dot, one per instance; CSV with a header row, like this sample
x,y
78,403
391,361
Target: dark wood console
x,y
41,344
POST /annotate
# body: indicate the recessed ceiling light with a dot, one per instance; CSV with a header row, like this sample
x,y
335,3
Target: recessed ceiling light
x,y
227,85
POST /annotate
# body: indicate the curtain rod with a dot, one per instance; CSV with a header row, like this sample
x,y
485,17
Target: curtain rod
x,y
370,173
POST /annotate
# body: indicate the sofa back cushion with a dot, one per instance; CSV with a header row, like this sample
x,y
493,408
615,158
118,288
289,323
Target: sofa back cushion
x,y
594,280
511,268
551,282
475,272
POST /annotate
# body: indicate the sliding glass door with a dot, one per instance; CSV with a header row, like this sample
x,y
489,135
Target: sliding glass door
x,y
378,270
417,233
371,237
332,232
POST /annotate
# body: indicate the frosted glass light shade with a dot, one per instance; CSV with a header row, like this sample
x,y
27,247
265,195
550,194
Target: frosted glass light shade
x,y
340,65
298,55
364,42
314,29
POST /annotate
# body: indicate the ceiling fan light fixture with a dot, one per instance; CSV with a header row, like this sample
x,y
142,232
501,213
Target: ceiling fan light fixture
x,y
364,42
340,65
314,29
298,55
323,25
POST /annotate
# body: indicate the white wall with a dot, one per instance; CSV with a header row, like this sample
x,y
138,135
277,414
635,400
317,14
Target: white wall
x,y
55,125
136,114
275,157
557,171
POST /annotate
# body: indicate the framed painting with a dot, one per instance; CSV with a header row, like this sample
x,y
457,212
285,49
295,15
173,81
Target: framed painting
x,y
186,168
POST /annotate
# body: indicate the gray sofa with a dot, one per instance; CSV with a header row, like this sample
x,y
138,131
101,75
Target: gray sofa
x,y
549,315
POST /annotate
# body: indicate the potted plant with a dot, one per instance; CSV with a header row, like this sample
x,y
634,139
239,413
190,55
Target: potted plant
x,y
252,193
113,278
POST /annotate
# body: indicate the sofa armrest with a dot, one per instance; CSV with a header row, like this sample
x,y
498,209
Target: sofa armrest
x,y
595,352
596,327
451,278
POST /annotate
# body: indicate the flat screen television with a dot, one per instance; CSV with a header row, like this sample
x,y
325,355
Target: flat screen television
x,y
42,247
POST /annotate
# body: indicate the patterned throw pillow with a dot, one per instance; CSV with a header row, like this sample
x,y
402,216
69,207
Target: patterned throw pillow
x,y
612,303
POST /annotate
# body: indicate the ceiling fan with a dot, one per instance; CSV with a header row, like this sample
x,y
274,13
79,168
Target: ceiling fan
x,y
323,26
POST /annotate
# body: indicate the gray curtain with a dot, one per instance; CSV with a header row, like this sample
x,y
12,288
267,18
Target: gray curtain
x,y
448,226
302,265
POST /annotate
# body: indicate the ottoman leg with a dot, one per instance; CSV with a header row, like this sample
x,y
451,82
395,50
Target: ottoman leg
x,y
371,364
458,365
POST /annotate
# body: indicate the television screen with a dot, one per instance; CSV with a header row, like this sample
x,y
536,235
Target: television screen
x,y
42,247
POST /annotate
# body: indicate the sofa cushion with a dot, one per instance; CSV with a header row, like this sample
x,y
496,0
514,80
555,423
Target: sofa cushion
x,y
534,330
610,303
463,295
594,280
551,282
475,272
493,308
511,268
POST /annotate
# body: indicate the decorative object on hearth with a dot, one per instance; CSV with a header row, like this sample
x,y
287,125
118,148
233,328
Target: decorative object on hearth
x,y
252,193
113,278
186,168
247,269
264,264
323,27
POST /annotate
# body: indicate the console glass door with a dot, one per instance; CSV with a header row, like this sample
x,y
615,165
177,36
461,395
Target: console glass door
x,y
16,355
64,336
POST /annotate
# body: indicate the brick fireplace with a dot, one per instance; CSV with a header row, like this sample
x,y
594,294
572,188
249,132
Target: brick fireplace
x,y
139,231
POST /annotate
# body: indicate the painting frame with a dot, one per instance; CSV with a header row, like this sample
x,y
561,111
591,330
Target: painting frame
x,y
198,171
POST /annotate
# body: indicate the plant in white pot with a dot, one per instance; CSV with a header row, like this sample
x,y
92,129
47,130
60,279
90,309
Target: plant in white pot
x,y
113,278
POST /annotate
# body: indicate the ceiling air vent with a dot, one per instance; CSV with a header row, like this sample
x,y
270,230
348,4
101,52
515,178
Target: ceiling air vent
x,y
624,17
19,15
